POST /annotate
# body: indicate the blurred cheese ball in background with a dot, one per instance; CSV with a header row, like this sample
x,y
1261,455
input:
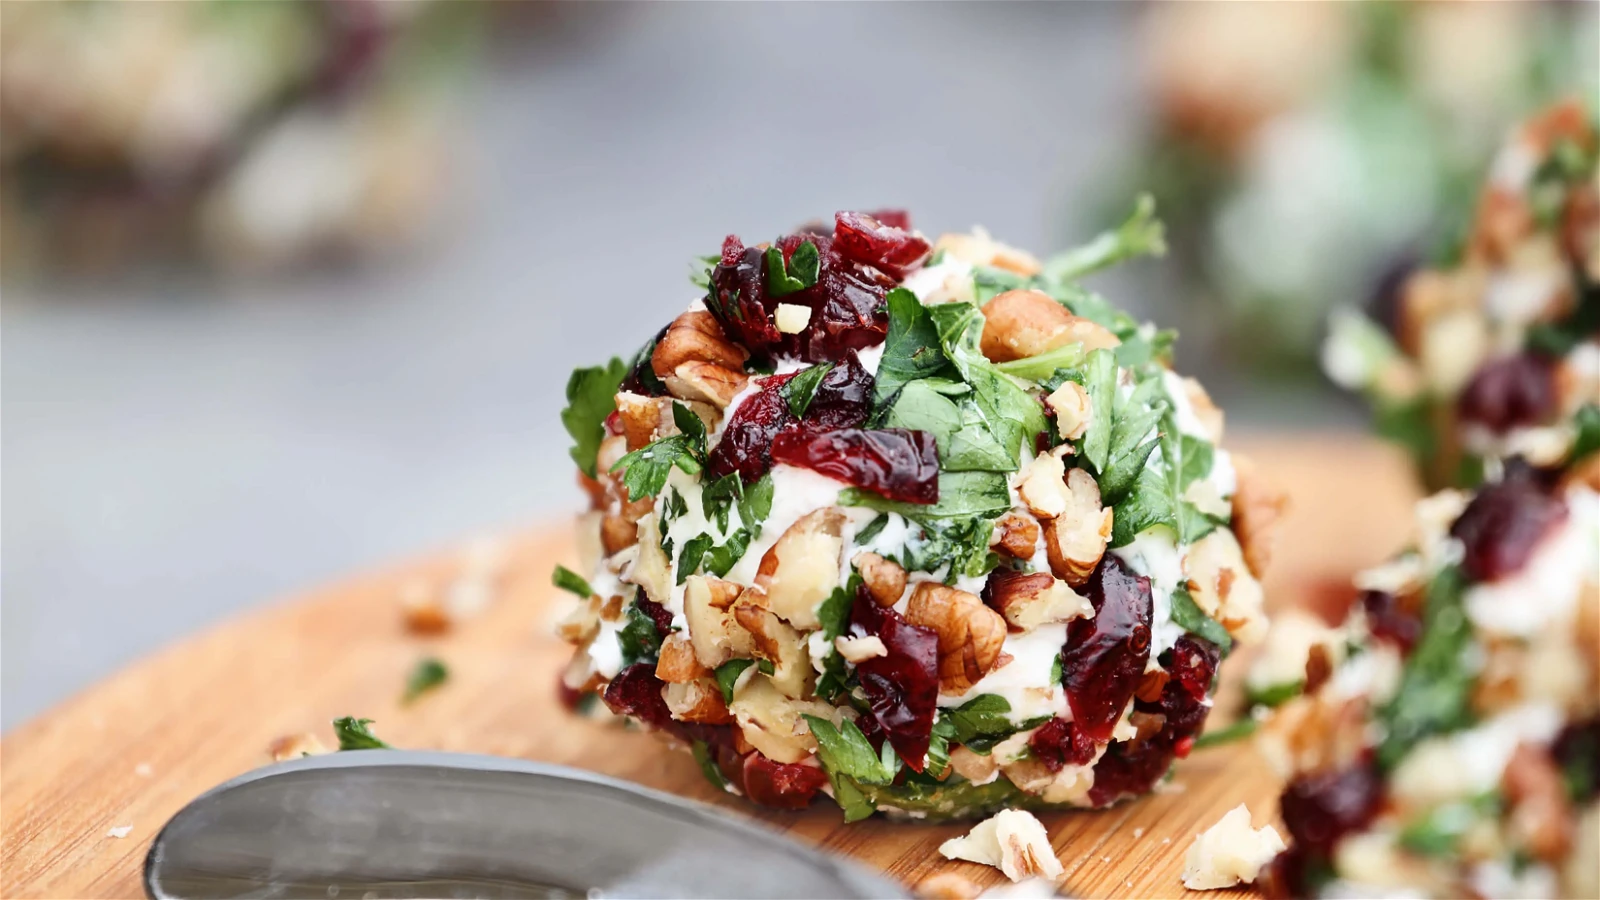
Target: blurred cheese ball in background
x,y
249,134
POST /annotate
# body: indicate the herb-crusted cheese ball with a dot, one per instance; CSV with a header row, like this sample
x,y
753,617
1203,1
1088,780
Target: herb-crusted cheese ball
x,y
1444,740
929,528
1498,353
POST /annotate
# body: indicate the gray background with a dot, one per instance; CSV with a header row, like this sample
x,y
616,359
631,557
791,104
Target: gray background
x,y
176,448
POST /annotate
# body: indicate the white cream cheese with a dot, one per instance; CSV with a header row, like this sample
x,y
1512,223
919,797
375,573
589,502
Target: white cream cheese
x,y
1470,762
948,282
1154,553
1549,586
795,492
1026,681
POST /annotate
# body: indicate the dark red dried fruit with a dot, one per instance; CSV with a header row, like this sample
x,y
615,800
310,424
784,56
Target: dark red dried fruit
x,y
1391,620
658,614
872,242
1288,876
896,463
781,785
902,688
636,692
1059,743
746,443
641,379
570,697
738,299
1509,392
1322,807
1130,769
844,398
1194,665
894,218
1504,523
1105,656
847,310
1577,751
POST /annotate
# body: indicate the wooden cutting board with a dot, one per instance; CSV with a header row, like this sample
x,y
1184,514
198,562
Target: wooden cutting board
x,y
132,750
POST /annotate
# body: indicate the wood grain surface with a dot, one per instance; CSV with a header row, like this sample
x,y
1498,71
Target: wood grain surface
x,y
135,748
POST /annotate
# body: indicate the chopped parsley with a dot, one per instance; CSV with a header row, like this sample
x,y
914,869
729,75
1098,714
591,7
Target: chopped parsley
x,y
645,470
591,397
353,734
1188,615
803,386
1435,690
638,637
1141,234
428,674
568,580
801,272
728,675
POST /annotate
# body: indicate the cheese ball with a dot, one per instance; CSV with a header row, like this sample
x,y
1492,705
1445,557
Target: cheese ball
x,y
1444,740
1497,353
924,526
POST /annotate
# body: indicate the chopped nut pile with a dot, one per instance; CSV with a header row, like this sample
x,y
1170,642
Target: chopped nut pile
x,y
923,526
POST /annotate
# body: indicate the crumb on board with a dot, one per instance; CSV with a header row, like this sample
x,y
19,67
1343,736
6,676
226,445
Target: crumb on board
x,y
430,609
1230,852
294,746
143,770
1013,841
948,886
120,831
1138,833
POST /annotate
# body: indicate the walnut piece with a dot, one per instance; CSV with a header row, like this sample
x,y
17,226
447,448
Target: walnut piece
x,y
1230,852
678,663
1023,323
885,579
802,568
1017,535
970,633
714,633
1027,601
294,746
1542,818
698,701
697,362
1075,540
1012,841
1072,407
860,649
1257,506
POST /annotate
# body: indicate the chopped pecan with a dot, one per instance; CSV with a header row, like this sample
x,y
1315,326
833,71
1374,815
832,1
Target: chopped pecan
x,y
1257,507
885,580
1075,541
1017,535
1023,323
1027,601
970,633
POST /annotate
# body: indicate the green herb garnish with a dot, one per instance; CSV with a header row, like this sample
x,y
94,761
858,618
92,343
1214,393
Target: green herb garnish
x,y
353,734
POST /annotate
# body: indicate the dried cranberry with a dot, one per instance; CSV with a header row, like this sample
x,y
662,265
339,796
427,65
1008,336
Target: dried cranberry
x,y
746,443
1322,807
641,379
894,218
902,687
1510,391
894,462
658,614
1391,620
1503,524
844,397
1577,751
847,310
1059,742
636,692
781,785
738,299
1130,769
1194,665
1289,874
570,697
1104,658
872,242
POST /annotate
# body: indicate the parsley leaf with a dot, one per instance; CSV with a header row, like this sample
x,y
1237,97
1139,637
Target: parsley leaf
x,y
1439,832
986,715
568,580
700,270
846,751
591,397
1040,367
1587,422
910,351
963,437
799,274
728,674
638,637
1274,695
428,674
961,495
1237,731
834,616
962,544
1188,615
1100,383
1145,506
1012,415
645,470
708,766
1435,690
803,386
353,734
1141,234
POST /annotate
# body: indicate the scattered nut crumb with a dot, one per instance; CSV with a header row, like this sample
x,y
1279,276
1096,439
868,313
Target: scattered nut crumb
x,y
948,886
860,649
121,831
1012,841
430,609
143,770
1166,840
1106,858
1138,833
1230,852
294,746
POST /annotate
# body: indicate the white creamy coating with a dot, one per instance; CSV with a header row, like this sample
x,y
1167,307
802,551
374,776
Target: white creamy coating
x,y
1025,682
1154,554
949,281
605,653
1549,586
795,492
1470,762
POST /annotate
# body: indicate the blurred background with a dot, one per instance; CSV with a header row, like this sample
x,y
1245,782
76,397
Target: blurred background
x,y
291,289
